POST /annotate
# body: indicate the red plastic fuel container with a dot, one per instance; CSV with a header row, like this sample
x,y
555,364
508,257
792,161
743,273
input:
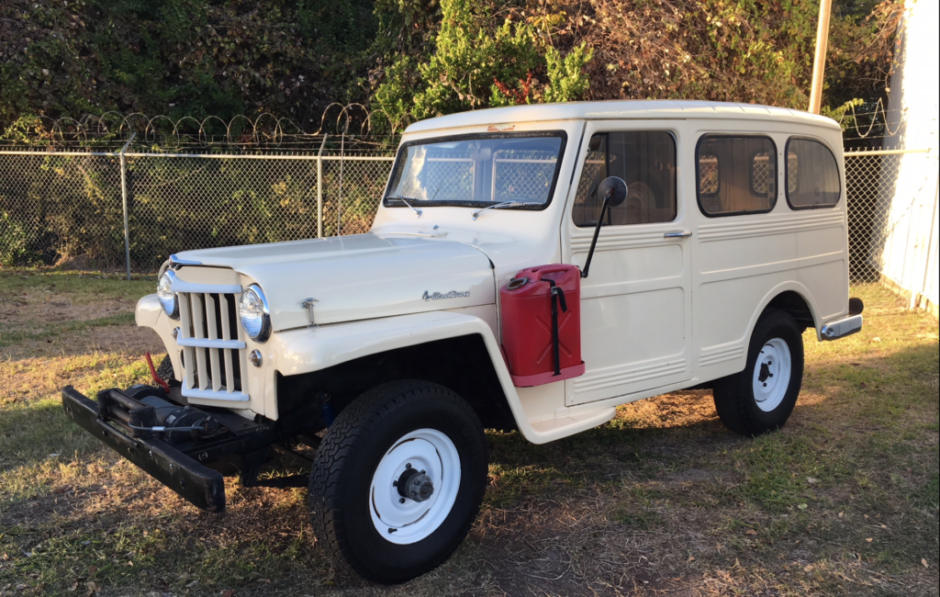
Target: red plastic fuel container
x,y
540,311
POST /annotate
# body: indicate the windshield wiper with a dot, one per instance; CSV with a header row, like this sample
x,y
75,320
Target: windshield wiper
x,y
504,204
413,208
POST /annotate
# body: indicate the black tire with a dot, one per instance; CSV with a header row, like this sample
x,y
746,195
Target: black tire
x,y
165,370
735,397
348,457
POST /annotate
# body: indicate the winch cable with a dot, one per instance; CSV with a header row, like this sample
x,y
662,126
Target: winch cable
x,y
165,429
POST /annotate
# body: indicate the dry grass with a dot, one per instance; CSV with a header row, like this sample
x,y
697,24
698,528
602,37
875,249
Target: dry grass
x,y
661,501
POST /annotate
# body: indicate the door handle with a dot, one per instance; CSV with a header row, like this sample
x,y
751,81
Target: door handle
x,y
677,235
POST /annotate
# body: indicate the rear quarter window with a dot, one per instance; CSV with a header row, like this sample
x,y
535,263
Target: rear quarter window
x,y
813,179
736,174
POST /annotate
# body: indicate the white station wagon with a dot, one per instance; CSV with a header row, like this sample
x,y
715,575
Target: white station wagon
x,y
529,268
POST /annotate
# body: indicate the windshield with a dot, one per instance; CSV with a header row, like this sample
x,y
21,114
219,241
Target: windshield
x,y
477,171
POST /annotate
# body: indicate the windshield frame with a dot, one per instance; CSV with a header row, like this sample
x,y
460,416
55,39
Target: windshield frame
x,y
402,155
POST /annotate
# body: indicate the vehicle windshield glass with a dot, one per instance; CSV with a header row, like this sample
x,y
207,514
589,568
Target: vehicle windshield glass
x,y
477,171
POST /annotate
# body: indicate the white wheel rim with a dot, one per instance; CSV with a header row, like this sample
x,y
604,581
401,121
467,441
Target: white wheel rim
x,y
403,520
772,374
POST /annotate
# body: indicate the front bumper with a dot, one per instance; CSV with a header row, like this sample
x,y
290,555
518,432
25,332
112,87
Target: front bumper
x,y
197,483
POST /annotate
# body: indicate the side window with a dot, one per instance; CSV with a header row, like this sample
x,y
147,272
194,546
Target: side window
x,y
646,161
812,175
736,174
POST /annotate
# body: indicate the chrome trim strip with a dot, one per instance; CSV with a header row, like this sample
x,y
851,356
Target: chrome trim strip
x,y
194,288
221,396
177,261
208,343
842,328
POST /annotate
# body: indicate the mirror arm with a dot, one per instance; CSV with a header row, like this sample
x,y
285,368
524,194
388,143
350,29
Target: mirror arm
x,y
597,231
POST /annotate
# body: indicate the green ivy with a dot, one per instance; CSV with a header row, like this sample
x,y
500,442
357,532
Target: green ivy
x,y
474,67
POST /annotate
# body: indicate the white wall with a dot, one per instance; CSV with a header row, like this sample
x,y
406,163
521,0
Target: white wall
x,y
911,247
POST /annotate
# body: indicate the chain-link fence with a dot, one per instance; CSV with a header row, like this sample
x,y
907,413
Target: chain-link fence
x,y
62,205
891,198
56,205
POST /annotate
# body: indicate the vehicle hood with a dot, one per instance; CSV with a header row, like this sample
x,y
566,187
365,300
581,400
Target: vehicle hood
x,y
363,276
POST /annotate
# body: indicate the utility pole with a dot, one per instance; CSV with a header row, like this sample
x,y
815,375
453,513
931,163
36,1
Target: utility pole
x,y
819,62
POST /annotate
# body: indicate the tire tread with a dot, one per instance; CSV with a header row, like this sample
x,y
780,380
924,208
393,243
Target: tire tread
x,y
356,421
733,393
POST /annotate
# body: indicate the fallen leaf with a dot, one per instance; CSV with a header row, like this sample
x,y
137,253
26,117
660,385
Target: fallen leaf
x,y
869,539
750,532
923,561
812,480
803,506
692,559
185,576
228,593
808,568
841,514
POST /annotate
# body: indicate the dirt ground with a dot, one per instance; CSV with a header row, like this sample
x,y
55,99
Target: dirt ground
x,y
661,501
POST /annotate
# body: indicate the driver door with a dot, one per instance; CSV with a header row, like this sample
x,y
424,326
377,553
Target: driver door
x,y
636,307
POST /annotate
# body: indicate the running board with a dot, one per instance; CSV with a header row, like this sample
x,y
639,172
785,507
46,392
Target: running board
x,y
552,429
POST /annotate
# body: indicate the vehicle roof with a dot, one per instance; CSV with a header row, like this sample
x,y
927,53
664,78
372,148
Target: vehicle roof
x,y
621,109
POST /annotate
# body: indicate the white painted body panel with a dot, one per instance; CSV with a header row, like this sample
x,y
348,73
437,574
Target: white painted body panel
x,y
658,314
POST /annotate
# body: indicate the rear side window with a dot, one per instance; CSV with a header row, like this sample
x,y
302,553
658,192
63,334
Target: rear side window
x,y
812,175
646,161
736,174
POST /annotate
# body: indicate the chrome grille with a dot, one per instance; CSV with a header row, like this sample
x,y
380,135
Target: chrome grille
x,y
213,347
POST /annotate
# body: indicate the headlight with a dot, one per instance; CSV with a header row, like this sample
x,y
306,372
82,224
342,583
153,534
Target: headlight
x,y
168,298
254,315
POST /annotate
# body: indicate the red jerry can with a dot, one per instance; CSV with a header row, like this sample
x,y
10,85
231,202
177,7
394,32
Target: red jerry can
x,y
540,312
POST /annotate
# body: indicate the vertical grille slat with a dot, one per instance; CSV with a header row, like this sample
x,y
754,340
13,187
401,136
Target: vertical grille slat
x,y
199,329
213,346
186,319
212,323
226,335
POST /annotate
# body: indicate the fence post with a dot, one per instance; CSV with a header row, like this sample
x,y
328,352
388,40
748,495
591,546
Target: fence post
x,y
127,228
320,188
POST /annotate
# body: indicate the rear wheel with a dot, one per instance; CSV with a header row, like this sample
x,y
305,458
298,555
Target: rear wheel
x,y
398,480
762,396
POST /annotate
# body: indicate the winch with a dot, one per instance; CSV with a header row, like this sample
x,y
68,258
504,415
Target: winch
x,y
145,410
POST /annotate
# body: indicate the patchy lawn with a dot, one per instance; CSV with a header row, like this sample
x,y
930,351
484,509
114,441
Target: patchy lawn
x,y
661,501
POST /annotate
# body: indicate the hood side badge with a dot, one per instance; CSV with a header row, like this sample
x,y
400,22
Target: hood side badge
x,y
436,296
308,304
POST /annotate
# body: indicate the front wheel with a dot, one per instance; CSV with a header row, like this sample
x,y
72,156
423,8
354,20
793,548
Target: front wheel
x,y
762,397
398,480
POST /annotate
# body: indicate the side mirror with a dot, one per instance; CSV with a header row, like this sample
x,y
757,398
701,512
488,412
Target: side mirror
x,y
614,190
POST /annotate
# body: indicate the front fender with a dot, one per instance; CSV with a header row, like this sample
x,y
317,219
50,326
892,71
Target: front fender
x,y
317,348
149,314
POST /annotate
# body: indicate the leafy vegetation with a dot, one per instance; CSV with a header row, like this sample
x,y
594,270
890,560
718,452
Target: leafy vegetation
x,y
424,57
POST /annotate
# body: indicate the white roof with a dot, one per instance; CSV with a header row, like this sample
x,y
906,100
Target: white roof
x,y
621,109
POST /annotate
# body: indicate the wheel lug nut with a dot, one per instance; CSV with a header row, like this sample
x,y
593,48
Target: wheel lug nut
x,y
401,500
423,473
408,465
